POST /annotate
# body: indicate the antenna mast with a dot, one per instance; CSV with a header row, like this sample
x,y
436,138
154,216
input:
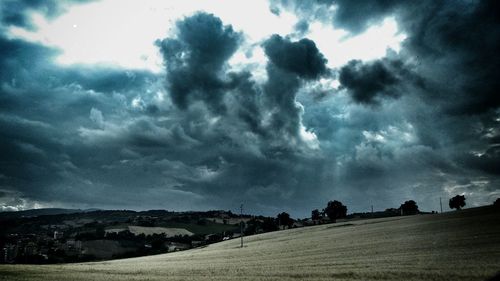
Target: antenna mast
x,y
241,225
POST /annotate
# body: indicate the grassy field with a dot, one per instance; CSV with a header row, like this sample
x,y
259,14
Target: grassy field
x,y
152,230
461,245
209,227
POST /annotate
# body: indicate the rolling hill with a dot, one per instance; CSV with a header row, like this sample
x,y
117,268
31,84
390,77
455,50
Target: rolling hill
x,y
463,245
40,212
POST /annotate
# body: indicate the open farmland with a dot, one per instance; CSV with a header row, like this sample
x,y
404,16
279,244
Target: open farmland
x,y
152,230
462,245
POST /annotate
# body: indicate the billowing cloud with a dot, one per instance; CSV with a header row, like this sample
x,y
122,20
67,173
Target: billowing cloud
x,y
364,82
368,82
454,43
441,82
354,16
357,16
302,57
289,63
267,123
195,59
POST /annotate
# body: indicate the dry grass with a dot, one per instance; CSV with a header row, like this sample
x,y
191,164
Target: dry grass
x,y
453,246
169,231
147,230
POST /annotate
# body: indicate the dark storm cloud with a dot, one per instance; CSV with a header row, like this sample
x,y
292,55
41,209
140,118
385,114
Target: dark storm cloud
x,y
30,62
46,109
207,136
106,79
280,91
32,79
255,146
195,59
289,63
111,133
16,12
354,16
488,162
461,38
190,58
20,56
446,83
367,83
455,42
302,57
247,95
81,135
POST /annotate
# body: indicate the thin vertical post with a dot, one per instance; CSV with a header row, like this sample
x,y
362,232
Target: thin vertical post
x,y
241,225
441,204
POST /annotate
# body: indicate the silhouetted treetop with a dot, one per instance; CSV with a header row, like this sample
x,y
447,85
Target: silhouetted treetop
x,y
335,210
409,207
284,219
315,214
497,202
457,202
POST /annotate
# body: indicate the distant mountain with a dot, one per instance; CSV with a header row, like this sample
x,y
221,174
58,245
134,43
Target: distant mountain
x,y
91,210
41,212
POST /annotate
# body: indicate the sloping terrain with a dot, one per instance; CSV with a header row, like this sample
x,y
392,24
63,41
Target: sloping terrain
x,y
463,245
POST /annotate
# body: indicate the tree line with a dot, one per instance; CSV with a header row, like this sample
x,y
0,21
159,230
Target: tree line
x,y
335,210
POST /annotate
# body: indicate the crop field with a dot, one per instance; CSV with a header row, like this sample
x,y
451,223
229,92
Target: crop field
x,y
152,230
158,230
463,245
230,221
209,227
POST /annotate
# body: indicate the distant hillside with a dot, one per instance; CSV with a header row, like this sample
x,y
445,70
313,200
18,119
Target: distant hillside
x,y
45,221
61,235
39,212
459,246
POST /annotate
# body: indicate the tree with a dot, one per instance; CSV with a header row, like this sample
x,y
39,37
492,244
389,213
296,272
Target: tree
x,y
409,208
315,215
497,202
335,210
457,202
284,219
269,224
100,232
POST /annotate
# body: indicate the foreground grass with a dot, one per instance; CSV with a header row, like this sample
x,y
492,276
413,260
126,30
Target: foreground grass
x,y
461,245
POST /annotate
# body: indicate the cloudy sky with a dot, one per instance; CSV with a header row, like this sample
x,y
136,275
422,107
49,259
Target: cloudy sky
x,y
281,105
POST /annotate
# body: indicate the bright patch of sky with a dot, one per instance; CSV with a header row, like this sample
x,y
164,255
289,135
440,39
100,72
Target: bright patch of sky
x,y
91,34
339,48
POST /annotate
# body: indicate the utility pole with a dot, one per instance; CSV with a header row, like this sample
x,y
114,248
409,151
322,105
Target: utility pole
x,y
372,210
241,225
441,204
